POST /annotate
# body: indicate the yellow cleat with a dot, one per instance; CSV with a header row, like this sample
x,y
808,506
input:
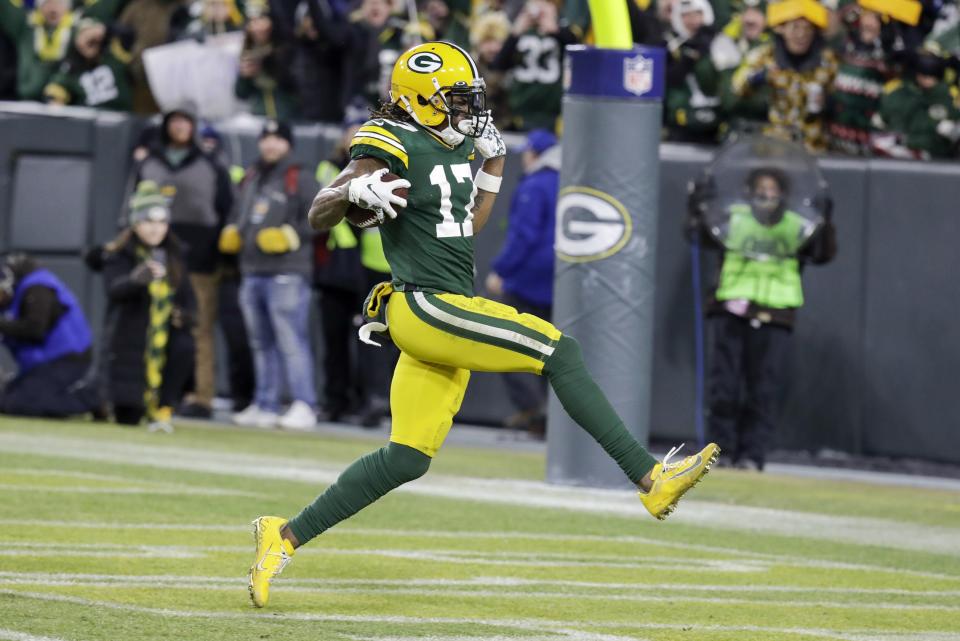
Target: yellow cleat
x,y
273,554
672,480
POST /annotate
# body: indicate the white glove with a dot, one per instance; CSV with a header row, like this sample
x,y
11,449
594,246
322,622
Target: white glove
x,y
490,143
369,192
949,130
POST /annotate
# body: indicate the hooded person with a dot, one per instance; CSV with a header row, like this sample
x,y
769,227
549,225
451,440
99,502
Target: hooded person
x,y
150,307
201,199
46,332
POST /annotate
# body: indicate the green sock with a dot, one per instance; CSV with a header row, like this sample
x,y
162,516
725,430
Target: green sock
x,y
363,482
586,404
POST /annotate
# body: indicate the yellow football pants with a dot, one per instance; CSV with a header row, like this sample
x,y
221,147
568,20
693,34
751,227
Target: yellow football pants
x,y
442,337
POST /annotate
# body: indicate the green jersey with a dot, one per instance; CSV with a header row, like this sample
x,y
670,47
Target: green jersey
x,y
430,243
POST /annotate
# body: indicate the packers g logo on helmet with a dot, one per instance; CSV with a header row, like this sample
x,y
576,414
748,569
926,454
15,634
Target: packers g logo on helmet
x,y
425,62
435,80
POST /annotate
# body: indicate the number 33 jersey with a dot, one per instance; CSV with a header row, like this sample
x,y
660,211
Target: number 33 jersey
x,y
430,243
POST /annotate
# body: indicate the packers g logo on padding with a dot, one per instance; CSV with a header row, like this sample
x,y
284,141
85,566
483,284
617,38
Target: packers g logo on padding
x,y
590,225
425,62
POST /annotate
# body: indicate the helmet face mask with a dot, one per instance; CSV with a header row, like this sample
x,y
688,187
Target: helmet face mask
x,y
468,101
438,85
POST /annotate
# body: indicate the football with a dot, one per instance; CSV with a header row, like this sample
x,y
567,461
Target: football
x,y
363,218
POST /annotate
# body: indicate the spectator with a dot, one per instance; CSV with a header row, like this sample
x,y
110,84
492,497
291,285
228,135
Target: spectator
x,y
534,55
348,265
861,75
487,35
273,238
697,60
753,310
95,72
202,198
211,18
154,22
747,30
918,117
340,281
42,37
150,307
377,39
644,24
45,330
522,275
798,68
323,39
265,79
450,20
229,313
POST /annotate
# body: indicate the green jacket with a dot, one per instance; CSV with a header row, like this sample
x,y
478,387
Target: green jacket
x,y
692,105
914,113
40,49
536,64
104,84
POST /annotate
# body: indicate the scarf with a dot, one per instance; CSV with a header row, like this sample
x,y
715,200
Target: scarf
x,y
51,45
158,335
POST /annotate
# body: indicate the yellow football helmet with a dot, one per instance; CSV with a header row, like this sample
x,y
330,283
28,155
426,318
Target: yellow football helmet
x,y
428,76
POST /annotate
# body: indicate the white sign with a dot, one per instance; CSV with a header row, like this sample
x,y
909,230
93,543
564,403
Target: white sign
x,y
203,74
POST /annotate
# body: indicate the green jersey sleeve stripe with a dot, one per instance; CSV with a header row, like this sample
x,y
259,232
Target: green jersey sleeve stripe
x,y
396,164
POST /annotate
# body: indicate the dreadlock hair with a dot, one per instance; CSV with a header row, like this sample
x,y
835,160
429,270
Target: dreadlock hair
x,y
391,111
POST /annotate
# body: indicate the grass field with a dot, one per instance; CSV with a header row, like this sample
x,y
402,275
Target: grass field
x,y
110,534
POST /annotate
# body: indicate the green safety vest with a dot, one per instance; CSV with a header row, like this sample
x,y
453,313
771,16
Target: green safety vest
x,y
773,281
371,247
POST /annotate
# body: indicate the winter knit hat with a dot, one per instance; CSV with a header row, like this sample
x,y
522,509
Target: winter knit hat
x,y
277,128
149,203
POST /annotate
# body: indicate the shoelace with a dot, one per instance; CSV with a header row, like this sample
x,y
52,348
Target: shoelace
x,y
284,560
673,450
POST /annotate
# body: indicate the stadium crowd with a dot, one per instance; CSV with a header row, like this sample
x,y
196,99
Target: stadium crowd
x,y
861,77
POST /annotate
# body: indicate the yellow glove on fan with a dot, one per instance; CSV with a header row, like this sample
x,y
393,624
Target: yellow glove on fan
x,y
278,240
230,240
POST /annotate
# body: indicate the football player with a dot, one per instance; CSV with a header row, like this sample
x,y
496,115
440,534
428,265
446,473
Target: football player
x,y
426,135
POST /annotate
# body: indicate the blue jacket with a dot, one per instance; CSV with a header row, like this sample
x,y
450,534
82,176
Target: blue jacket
x,y
70,334
526,261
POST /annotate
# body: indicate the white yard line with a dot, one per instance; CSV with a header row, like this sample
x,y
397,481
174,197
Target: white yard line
x,y
534,625
68,578
126,481
754,561
447,591
13,635
81,489
853,530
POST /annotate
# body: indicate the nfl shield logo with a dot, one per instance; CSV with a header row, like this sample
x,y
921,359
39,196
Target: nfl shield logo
x,y
638,74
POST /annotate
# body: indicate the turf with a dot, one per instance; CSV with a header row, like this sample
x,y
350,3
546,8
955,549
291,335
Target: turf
x,y
114,534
